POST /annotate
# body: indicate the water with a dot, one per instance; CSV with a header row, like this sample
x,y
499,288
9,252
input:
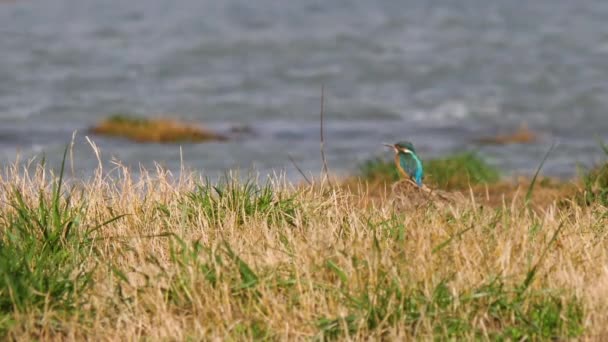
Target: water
x,y
439,73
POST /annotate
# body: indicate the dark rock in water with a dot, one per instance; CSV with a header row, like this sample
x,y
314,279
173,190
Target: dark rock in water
x,y
239,131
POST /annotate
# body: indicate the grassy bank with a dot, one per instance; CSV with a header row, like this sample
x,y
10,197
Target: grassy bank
x,y
453,172
120,258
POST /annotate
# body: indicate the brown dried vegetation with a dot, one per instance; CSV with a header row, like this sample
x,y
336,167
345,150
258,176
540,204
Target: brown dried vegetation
x,y
523,135
159,130
245,261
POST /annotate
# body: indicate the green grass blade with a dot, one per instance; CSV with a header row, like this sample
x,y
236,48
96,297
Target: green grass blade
x,y
448,241
337,270
531,274
115,218
602,145
531,187
248,276
57,188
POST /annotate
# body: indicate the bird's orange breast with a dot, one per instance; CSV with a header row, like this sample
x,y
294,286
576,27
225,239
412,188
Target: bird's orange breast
x,y
398,166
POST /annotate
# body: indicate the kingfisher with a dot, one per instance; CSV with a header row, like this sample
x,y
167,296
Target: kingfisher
x,y
407,161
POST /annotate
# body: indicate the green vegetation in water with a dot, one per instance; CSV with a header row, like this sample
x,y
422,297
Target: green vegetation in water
x,y
452,172
156,130
128,119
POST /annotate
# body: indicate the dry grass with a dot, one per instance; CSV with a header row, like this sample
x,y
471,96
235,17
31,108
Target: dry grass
x,y
274,261
153,130
547,191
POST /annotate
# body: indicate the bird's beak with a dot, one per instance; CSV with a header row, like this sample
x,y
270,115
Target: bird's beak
x,y
395,149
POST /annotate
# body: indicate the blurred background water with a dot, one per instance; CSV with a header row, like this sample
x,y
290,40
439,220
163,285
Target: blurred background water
x,y
438,73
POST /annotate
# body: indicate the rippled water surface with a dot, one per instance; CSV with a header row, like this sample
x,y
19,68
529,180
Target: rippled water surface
x,y
439,73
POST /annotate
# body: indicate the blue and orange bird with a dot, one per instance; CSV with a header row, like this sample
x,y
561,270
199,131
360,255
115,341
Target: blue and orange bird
x,y
407,161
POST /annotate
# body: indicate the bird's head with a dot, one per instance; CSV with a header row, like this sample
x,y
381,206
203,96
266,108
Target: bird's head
x,y
403,146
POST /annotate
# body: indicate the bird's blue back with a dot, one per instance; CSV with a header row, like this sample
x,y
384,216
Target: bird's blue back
x,y
412,165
